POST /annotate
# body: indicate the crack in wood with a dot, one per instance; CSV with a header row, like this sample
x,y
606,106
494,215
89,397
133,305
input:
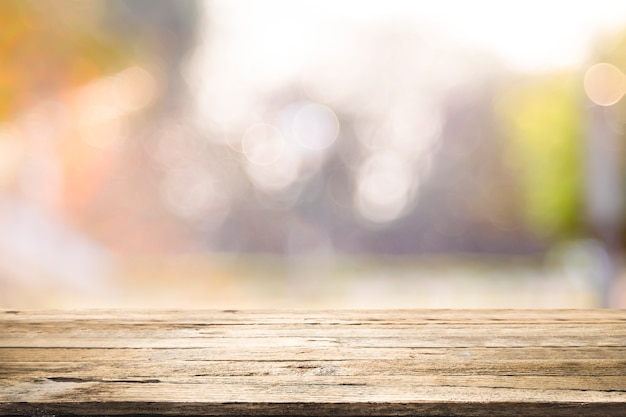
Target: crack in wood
x,y
83,380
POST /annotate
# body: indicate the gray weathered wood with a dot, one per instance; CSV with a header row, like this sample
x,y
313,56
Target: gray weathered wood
x,y
308,363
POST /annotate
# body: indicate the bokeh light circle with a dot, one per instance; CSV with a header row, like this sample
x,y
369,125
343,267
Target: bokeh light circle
x,y
315,126
605,84
263,144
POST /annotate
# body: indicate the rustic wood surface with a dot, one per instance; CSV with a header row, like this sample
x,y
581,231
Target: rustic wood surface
x,y
308,363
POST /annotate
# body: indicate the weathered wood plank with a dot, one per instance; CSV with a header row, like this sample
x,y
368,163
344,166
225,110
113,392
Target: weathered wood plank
x,y
308,363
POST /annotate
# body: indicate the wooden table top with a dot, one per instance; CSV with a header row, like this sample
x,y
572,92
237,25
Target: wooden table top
x,y
313,363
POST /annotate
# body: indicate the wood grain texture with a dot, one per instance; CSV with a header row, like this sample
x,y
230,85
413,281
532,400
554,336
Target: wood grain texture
x,y
313,363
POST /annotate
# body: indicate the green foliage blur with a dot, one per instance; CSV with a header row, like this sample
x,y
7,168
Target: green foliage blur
x,y
542,119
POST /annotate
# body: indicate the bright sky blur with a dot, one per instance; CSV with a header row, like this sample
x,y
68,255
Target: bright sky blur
x,y
529,36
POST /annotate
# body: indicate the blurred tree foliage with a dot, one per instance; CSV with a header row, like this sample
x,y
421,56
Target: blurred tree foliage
x,y
46,49
542,117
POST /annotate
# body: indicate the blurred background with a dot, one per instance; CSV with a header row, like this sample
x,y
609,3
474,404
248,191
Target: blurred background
x,y
312,154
